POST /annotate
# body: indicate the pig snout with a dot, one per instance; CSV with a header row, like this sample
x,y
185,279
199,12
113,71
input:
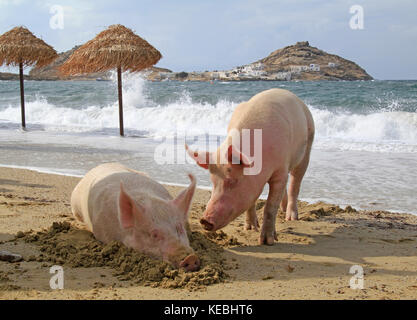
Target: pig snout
x,y
216,219
211,224
206,224
190,263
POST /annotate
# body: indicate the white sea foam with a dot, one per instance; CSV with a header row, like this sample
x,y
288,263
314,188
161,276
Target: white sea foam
x,y
140,114
394,131
62,172
381,131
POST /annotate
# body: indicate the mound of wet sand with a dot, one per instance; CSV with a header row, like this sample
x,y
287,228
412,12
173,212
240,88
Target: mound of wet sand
x,y
66,245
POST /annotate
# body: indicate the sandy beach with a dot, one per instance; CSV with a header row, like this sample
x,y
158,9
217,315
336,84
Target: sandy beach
x,y
311,259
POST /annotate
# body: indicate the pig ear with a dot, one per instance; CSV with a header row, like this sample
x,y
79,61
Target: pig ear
x,y
129,210
202,158
234,155
183,201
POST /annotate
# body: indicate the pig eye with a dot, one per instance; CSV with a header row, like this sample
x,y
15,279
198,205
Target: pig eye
x,y
156,235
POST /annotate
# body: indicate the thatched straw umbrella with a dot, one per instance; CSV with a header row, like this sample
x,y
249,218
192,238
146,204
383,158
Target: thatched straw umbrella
x,y
114,48
19,47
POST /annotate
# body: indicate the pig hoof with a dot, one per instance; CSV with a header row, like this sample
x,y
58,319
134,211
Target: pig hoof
x,y
268,239
249,225
291,216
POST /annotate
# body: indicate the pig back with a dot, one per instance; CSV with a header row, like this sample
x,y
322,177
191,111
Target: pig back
x,y
95,198
285,121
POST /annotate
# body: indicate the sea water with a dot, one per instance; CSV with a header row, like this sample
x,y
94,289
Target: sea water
x,y
364,153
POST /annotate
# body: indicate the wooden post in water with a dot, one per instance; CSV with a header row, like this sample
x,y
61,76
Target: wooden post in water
x,y
119,85
22,96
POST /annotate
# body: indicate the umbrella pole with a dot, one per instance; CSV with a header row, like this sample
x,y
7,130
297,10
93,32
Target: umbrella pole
x,y
119,85
22,96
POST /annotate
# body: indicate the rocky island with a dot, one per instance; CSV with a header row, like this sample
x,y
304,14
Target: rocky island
x,y
305,62
296,62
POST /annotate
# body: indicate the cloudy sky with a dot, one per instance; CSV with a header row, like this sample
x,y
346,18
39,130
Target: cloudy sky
x,y
220,34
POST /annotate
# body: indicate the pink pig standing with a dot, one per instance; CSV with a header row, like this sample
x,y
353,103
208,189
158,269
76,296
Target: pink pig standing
x,y
117,203
287,136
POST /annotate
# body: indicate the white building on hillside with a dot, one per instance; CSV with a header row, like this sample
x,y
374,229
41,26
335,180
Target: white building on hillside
x,y
314,67
257,66
249,70
283,76
167,75
296,69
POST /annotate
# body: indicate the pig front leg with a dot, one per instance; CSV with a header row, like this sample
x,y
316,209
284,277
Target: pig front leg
x,y
251,218
276,192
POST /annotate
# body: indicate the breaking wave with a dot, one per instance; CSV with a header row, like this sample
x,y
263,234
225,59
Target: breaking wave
x,y
379,131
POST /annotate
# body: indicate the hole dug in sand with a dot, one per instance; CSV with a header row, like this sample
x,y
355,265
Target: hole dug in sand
x,y
65,245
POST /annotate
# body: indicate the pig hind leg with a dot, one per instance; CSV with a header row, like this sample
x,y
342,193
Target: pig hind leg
x,y
284,201
296,176
251,218
277,186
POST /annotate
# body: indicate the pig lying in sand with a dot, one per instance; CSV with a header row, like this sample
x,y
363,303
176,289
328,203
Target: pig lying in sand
x,y
117,203
287,135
